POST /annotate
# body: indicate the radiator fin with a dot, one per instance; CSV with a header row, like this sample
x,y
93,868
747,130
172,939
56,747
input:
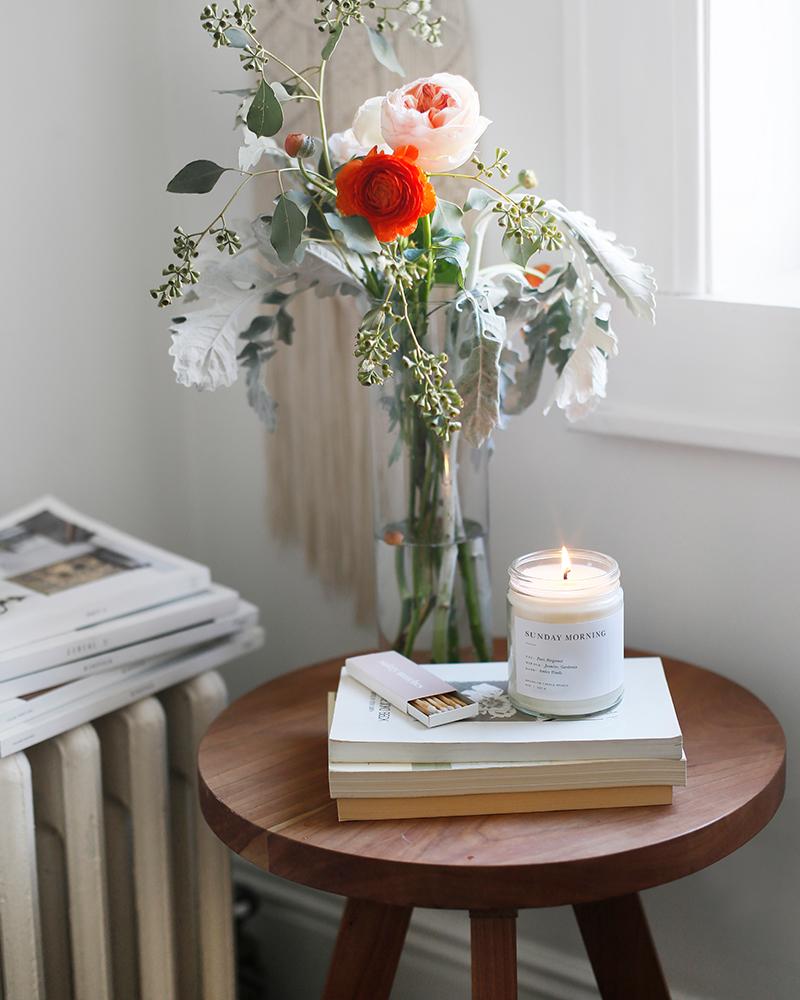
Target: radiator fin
x,y
68,810
111,884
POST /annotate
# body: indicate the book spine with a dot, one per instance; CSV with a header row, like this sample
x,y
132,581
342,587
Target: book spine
x,y
431,753
142,685
79,646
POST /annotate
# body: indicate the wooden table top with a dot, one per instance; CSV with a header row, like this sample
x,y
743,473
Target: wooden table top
x,y
264,792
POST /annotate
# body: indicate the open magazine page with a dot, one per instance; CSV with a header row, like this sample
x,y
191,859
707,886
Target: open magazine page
x,y
61,570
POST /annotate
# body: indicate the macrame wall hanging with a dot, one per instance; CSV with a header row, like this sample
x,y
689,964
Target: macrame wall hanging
x,y
318,460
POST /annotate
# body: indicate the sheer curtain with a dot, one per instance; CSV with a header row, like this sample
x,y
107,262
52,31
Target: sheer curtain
x,y
318,459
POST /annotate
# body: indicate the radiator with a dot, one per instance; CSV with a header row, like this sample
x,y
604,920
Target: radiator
x,y
111,885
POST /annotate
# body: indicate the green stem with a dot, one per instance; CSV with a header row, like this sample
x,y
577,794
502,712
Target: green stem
x,y
323,128
472,563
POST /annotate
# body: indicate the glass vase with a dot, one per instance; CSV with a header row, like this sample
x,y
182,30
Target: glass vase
x,y
431,506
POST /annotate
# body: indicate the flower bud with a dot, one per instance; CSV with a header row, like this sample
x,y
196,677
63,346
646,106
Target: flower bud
x,y
300,145
527,178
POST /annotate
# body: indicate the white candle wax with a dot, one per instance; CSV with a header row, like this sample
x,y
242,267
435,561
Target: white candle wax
x,y
565,634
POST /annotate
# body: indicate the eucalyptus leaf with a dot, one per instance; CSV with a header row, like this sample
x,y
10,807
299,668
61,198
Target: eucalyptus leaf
x,y
333,41
197,177
357,233
520,253
477,199
237,39
265,116
383,50
288,225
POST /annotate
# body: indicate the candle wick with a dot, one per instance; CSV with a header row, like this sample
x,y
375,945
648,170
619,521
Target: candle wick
x,y
566,573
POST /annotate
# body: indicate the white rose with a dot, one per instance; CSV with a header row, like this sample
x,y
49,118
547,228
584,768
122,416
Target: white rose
x,y
364,134
438,114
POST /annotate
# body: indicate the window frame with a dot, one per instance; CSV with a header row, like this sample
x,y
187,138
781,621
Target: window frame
x,y
713,373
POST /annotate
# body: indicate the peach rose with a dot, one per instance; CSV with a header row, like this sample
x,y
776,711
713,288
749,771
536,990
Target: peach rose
x,y
438,114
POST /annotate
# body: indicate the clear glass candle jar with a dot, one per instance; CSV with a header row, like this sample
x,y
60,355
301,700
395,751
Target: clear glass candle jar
x,y
565,633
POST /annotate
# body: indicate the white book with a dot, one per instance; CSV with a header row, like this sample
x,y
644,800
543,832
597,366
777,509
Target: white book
x,y
60,570
93,641
57,690
140,685
399,780
643,725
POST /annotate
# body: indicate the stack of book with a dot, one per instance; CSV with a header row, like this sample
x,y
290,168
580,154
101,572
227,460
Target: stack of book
x,y
92,619
383,764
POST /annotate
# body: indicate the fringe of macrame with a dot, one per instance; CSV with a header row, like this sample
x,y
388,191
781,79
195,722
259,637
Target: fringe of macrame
x,y
318,460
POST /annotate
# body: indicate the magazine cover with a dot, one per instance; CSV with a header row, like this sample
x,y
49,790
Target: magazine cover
x,y
61,570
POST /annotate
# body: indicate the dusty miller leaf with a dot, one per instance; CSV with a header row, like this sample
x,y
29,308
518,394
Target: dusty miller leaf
x,y
479,381
259,398
630,279
478,199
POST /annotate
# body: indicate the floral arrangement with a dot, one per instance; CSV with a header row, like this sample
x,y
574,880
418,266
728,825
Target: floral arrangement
x,y
357,213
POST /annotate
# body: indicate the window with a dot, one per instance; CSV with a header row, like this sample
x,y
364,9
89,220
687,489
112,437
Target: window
x,y
682,129
753,78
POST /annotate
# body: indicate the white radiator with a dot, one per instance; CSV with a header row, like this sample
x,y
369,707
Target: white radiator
x,y
111,885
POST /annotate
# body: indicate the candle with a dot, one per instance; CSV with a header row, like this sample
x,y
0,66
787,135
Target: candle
x,y
565,632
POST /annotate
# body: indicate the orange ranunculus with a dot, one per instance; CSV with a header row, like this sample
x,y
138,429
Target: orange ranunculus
x,y
388,189
537,274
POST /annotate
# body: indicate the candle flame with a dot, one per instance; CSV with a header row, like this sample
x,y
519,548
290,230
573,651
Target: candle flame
x,y
566,562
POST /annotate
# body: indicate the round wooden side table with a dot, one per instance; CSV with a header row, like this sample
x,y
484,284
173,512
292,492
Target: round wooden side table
x,y
264,792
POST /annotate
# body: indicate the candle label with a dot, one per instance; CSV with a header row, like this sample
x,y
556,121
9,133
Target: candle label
x,y
567,661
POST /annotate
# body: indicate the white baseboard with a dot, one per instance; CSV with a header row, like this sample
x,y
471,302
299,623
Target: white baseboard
x,y
545,973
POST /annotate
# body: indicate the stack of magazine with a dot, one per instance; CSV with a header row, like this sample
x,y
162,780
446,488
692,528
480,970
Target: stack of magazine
x,y
92,619
384,764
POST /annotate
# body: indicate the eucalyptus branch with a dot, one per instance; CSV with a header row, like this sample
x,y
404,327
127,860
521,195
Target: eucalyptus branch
x,y
185,246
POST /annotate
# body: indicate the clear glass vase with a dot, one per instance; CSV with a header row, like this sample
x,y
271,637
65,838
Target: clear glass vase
x,y
431,506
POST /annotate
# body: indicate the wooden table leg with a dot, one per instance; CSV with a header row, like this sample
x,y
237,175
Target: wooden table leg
x,y
367,951
621,950
493,935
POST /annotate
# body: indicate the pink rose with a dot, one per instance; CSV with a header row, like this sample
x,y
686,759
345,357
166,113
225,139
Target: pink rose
x,y
438,114
365,133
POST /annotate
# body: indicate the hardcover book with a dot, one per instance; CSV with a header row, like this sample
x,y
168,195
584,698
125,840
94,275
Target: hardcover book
x,y
643,725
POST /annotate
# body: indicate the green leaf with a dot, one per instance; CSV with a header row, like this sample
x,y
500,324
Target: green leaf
x,y
259,325
197,177
383,50
237,39
447,218
356,232
332,42
520,253
285,326
477,199
288,225
265,116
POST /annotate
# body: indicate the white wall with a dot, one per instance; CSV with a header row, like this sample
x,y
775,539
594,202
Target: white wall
x,y
88,405
707,540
